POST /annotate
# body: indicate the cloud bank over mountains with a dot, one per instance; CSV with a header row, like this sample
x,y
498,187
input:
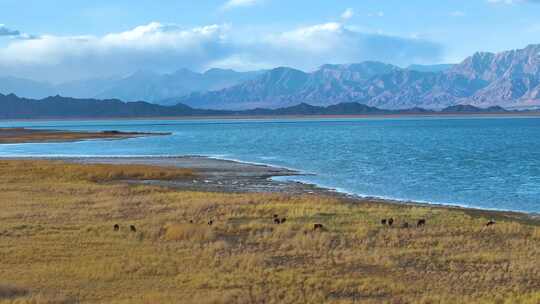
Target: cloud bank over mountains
x,y
167,47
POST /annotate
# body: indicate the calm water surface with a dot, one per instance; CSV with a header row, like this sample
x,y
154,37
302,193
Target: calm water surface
x,y
481,162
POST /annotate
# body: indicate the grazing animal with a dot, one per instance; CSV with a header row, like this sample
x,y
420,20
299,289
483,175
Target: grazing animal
x,y
318,227
390,222
383,222
490,223
276,216
191,221
283,220
421,222
277,221
210,223
116,227
405,225
132,228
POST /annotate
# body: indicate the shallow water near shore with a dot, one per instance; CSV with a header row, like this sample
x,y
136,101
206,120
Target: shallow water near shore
x,y
491,163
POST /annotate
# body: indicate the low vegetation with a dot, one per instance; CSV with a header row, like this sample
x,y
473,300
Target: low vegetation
x,y
58,245
60,171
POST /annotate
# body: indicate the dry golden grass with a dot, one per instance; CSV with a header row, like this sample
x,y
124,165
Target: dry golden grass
x,y
187,232
57,245
42,169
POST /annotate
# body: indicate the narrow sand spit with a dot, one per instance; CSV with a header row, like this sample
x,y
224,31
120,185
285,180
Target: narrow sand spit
x,y
23,135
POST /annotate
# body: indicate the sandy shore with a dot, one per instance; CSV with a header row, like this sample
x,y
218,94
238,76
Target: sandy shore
x,y
217,175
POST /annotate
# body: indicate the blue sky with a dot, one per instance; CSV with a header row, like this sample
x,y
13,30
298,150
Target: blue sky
x,y
62,40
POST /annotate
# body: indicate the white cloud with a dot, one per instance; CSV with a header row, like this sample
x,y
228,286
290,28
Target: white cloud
x,y
333,42
347,14
164,48
152,46
239,3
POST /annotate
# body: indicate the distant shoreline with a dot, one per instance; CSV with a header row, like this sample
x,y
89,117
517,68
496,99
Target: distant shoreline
x,y
277,117
24,135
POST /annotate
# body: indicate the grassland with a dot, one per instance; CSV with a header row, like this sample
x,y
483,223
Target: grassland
x,y
57,245
22,135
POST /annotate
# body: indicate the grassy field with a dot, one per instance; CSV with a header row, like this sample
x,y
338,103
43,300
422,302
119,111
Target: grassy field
x,y
58,245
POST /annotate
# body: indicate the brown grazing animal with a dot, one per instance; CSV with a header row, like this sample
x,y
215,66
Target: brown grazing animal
x,y
390,222
383,222
210,223
421,222
405,225
132,228
490,223
318,227
116,227
283,220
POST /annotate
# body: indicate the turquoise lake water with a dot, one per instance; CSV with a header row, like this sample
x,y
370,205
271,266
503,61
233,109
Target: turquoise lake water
x,y
491,163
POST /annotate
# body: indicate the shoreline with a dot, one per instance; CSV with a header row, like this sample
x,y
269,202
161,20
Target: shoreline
x,y
235,176
532,114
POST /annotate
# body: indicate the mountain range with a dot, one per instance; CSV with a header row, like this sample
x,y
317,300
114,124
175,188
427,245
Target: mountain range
x,y
509,79
141,85
58,107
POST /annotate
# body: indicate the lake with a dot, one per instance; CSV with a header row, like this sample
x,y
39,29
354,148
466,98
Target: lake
x,y
491,163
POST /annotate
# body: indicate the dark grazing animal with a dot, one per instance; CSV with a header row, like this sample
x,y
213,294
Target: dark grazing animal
x,y
383,222
191,221
318,227
390,222
405,225
210,223
277,221
490,223
421,222
132,228
276,216
283,220
116,227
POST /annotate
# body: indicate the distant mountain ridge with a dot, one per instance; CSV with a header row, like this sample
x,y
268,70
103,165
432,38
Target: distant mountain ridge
x,y
57,107
508,79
